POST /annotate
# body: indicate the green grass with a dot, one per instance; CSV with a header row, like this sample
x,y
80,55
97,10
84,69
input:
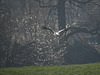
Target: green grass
x,y
81,69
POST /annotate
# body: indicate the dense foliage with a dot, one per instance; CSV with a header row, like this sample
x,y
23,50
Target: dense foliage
x,y
24,43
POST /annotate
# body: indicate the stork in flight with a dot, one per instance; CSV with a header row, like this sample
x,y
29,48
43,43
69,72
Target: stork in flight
x,y
54,33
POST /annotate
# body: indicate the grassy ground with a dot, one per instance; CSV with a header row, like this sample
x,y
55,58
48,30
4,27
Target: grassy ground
x,y
82,69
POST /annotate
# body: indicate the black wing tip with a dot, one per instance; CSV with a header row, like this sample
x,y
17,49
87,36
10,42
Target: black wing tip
x,y
44,27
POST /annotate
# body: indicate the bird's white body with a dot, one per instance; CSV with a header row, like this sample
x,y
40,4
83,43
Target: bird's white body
x,y
58,33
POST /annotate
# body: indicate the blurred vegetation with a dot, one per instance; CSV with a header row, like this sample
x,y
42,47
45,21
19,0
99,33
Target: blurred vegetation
x,y
81,69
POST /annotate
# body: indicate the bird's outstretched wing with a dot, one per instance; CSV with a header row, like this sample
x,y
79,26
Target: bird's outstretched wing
x,y
62,30
43,27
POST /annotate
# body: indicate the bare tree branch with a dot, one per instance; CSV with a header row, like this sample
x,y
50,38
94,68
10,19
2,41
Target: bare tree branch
x,y
40,4
82,2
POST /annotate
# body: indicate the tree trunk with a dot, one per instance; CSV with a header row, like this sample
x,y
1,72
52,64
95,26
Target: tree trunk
x,y
61,14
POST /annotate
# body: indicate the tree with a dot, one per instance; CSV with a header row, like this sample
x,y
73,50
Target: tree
x,y
28,44
74,11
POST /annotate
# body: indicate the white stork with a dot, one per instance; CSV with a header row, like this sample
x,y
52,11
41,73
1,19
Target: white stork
x,y
54,32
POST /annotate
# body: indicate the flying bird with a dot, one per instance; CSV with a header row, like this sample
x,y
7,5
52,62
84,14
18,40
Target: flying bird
x,y
54,32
